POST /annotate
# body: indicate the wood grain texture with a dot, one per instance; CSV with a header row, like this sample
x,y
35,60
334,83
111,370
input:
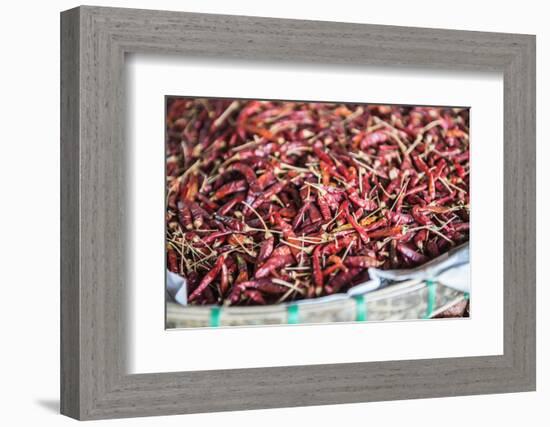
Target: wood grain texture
x,y
95,239
70,292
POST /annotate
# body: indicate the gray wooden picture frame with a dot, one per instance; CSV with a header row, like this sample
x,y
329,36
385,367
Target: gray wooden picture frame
x,y
94,382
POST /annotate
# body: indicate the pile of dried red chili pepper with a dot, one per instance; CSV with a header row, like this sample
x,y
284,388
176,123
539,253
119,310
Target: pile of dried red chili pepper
x,y
270,202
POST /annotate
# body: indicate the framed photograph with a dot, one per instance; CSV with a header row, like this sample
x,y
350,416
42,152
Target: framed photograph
x,y
285,213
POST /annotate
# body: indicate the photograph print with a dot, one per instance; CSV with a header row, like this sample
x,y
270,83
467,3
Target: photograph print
x,y
294,212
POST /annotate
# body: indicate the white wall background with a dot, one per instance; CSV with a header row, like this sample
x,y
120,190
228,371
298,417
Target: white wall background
x,y
29,212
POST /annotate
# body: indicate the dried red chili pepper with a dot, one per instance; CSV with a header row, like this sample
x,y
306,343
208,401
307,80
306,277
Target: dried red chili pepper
x,y
190,189
420,238
248,173
270,192
280,257
317,272
242,275
411,253
420,164
386,232
375,224
172,260
419,216
351,219
230,188
226,208
341,279
207,279
184,215
224,282
215,235
255,295
264,285
198,214
266,249
208,204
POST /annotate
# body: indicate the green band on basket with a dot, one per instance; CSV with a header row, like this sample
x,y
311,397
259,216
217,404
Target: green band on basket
x,y
431,285
466,296
360,308
293,315
215,313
